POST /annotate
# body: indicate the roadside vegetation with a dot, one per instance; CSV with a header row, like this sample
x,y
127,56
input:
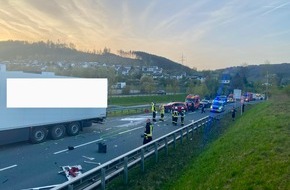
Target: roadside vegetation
x,y
250,153
122,104
145,100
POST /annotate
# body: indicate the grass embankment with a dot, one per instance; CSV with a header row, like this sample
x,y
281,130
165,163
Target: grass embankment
x,y
252,152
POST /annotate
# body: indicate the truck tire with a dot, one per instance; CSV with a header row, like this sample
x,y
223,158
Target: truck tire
x,y
73,128
38,135
57,132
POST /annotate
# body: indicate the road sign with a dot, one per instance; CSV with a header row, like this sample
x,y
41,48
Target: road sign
x,y
237,93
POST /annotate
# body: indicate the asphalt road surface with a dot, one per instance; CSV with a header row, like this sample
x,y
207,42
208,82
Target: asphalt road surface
x,y
25,166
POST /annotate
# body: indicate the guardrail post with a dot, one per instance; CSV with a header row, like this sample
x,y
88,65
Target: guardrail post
x,y
187,131
156,151
198,127
192,131
70,187
181,136
166,145
126,170
103,178
142,160
174,140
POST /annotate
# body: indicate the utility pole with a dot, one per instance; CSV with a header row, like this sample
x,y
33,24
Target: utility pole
x,y
182,59
267,84
267,62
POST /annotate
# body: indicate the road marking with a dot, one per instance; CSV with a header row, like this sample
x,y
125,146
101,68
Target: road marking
x,y
133,119
129,130
61,151
9,167
129,124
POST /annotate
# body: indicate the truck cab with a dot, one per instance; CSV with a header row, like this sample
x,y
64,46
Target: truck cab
x,y
192,102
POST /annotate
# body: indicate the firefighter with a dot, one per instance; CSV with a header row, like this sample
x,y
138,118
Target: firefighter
x,y
175,117
182,115
153,109
233,113
162,112
202,108
148,132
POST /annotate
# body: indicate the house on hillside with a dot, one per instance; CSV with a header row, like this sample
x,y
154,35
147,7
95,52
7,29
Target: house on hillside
x,y
151,69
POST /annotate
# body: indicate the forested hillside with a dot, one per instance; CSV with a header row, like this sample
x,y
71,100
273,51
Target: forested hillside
x,y
55,52
51,52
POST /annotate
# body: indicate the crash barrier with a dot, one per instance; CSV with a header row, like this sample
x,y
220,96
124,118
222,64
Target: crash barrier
x,y
129,110
98,176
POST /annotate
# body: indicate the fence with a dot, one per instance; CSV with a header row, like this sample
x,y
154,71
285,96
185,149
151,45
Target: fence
x,y
128,110
98,176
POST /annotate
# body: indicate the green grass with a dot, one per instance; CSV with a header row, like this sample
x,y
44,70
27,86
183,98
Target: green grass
x,y
252,152
141,100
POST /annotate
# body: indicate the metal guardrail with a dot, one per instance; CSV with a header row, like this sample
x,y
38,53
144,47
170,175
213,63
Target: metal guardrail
x,y
98,176
129,109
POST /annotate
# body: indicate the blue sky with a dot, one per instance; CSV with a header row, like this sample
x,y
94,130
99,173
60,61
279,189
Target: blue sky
x,y
210,34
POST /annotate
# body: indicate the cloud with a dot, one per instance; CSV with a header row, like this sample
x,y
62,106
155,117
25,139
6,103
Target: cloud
x,y
274,8
208,29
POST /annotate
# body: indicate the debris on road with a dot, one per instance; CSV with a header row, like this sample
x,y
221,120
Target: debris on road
x,y
89,162
70,147
71,171
89,158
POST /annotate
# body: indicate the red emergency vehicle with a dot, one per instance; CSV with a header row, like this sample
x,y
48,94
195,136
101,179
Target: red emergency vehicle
x,y
192,102
248,96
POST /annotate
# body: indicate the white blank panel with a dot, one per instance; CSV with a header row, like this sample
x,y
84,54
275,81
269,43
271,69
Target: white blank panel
x,y
57,93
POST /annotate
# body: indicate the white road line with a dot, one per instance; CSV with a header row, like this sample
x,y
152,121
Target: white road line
x,y
9,167
133,119
129,130
61,151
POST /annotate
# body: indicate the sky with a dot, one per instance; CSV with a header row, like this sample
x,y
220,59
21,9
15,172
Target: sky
x,y
201,34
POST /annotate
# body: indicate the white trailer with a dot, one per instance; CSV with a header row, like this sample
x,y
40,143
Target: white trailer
x,y
22,123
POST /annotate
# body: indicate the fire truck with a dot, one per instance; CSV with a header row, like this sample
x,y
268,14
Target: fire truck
x,y
192,102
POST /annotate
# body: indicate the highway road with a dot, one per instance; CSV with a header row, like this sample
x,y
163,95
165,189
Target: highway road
x,y
25,166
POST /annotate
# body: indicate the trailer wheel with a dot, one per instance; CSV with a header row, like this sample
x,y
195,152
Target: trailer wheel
x,y
57,132
38,134
73,128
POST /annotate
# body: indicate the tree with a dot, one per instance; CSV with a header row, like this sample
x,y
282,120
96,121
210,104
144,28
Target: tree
x,y
175,86
237,82
126,90
213,85
190,88
147,84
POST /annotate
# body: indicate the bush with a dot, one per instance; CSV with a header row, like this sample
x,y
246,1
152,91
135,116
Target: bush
x,y
287,90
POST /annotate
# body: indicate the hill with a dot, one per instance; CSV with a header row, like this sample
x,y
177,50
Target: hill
x,y
48,52
259,72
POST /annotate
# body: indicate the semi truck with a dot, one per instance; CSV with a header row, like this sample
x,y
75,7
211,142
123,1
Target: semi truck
x,y
23,122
